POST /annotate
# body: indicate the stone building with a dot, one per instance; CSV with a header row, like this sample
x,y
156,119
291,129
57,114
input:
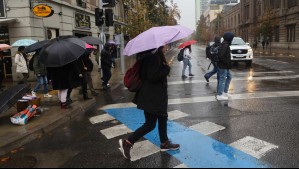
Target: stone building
x,y
246,17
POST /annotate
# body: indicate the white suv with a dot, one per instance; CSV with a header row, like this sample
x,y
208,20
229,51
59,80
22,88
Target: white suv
x,y
241,51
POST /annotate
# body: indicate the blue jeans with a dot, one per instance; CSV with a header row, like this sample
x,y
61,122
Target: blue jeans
x,y
42,80
214,71
225,78
187,63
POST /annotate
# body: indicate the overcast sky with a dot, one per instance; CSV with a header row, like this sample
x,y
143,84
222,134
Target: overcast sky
x,y
187,8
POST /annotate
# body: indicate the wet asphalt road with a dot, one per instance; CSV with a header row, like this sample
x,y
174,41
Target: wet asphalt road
x,y
80,144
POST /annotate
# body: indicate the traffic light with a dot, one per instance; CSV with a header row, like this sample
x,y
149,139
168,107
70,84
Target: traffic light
x,y
109,17
99,13
111,3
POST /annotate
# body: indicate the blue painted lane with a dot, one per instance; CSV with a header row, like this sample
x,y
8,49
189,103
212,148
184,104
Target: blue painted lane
x,y
197,150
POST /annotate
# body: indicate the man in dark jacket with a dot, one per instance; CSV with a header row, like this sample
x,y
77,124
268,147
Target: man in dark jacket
x,y
106,63
153,99
224,67
213,61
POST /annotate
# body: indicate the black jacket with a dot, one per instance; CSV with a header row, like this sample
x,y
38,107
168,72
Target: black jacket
x,y
225,56
106,59
153,95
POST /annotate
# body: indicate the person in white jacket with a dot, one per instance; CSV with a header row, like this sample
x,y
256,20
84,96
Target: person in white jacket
x,y
22,66
187,58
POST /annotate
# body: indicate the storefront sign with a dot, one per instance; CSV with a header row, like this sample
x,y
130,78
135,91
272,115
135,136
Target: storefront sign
x,y
82,21
2,9
43,11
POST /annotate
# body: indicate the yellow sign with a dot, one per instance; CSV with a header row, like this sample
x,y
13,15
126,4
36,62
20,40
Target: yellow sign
x,y
43,11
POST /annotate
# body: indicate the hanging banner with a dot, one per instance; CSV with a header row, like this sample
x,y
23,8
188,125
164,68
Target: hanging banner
x,y
43,10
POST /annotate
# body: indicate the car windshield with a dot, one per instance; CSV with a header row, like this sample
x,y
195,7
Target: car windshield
x,y
238,41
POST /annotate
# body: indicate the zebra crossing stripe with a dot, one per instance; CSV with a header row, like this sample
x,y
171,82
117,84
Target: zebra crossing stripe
x,y
260,95
101,119
181,166
197,150
143,149
207,128
116,131
255,147
176,114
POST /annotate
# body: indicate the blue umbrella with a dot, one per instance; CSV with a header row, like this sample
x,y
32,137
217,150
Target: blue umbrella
x,y
23,42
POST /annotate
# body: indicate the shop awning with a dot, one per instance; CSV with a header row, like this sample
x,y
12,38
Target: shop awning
x,y
8,20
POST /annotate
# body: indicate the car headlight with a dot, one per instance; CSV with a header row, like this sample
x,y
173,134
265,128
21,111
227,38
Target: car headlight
x,y
250,51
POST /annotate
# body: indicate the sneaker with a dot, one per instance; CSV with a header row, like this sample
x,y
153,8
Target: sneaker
x,y
33,94
191,75
48,96
169,146
227,95
125,148
207,79
221,98
184,77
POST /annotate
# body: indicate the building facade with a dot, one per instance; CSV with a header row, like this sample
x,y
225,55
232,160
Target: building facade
x,y
285,14
71,17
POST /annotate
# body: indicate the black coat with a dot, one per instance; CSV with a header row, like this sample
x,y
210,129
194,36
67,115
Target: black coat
x,y
153,96
225,61
106,59
65,77
1,69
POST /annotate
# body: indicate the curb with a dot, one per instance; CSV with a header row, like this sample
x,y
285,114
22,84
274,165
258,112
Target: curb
x,y
35,133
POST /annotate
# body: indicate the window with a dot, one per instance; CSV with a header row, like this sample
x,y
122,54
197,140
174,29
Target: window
x,y
275,4
276,33
247,12
291,33
292,3
81,3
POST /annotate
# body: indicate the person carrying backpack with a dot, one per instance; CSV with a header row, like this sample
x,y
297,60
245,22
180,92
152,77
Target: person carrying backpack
x,y
213,54
224,66
187,58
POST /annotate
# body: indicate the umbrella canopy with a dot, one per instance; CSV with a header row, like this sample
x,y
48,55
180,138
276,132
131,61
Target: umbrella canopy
x,y
187,43
112,42
89,48
92,40
4,47
23,42
36,46
156,37
61,51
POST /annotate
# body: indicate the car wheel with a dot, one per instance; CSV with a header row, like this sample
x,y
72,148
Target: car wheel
x,y
248,63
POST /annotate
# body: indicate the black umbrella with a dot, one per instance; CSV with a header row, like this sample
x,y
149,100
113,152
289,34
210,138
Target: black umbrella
x,y
36,46
92,40
61,51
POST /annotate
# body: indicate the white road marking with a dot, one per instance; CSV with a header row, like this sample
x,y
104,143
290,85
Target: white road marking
x,y
181,166
277,61
101,118
207,128
260,95
174,115
236,79
254,147
261,73
143,149
116,131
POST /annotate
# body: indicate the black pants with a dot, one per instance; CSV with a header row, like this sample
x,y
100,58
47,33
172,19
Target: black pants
x,y
83,86
150,124
106,76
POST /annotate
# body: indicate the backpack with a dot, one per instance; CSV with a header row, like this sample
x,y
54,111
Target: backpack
x,y
132,78
31,66
215,53
181,55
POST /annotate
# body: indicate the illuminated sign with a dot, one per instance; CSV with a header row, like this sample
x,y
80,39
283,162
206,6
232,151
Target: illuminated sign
x,y
43,11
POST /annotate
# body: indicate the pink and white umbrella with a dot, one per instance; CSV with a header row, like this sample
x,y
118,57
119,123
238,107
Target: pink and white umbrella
x,y
155,38
4,47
